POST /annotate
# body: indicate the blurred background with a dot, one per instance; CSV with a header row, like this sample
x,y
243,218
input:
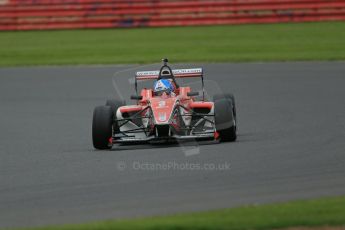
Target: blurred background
x,y
69,14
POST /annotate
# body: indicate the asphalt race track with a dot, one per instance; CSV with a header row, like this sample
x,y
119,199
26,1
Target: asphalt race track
x,y
291,145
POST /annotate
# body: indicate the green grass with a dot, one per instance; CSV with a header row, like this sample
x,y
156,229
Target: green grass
x,y
240,43
321,212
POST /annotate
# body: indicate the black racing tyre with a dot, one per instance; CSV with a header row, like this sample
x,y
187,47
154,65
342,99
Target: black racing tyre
x,y
225,119
102,127
115,104
229,96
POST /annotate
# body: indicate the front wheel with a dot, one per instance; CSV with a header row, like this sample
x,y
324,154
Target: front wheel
x,y
225,119
102,127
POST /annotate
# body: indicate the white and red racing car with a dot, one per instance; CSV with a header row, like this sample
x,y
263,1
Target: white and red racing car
x,y
165,116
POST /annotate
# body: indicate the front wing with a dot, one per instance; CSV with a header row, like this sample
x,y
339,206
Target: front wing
x,y
139,133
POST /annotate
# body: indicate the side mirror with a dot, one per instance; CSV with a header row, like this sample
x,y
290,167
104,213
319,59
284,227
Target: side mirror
x,y
136,97
192,94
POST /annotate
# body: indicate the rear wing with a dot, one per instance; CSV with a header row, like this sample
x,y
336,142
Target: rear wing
x,y
178,73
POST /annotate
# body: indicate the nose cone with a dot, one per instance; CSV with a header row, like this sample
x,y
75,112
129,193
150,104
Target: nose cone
x,y
162,109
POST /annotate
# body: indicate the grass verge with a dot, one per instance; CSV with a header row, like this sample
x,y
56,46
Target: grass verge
x,y
240,43
311,213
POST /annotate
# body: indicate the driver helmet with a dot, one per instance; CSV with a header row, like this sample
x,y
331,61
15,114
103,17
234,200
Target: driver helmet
x,y
163,85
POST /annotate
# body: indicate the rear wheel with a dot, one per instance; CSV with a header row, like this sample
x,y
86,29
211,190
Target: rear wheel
x,y
115,104
225,119
229,96
102,127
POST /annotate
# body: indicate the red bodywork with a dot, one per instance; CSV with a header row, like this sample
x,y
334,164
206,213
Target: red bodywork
x,y
163,106
177,115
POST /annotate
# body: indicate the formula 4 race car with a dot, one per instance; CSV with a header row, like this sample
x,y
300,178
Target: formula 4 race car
x,y
165,116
